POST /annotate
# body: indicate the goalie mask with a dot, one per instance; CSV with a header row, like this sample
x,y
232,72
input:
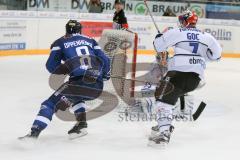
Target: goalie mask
x,y
188,19
73,27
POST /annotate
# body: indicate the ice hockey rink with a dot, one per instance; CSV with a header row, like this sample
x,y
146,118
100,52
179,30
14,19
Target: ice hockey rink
x,y
24,85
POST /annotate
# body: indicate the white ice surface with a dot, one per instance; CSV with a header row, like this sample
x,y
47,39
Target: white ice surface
x,y
24,85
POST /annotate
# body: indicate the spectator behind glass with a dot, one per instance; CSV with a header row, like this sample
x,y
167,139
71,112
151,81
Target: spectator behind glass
x,y
95,6
119,18
169,13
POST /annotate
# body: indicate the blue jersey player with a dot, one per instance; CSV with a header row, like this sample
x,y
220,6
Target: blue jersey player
x,y
83,60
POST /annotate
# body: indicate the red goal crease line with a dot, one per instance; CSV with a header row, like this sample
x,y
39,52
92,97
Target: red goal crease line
x,y
47,51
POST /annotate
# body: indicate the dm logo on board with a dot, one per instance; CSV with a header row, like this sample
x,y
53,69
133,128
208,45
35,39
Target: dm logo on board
x,y
140,8
198,10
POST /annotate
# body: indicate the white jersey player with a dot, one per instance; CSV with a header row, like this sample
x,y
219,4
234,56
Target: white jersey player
x,y
192,49
145,104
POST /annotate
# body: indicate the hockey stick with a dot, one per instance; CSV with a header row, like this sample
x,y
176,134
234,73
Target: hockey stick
x,y
123,78
201,107
150,13
199,111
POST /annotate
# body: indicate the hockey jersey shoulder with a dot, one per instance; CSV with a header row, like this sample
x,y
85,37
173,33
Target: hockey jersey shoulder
x,y
57,42
214,47
88,39
168,34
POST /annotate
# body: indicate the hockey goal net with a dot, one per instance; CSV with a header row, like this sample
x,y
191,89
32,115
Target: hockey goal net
x,y
121,47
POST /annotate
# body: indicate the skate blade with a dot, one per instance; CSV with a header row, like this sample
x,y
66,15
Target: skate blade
x,y
158,146
24,138
73,136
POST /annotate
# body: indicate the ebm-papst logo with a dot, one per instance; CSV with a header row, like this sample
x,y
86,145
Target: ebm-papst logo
x,y
197,61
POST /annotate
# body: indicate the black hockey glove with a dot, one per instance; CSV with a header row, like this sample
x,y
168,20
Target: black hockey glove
x,y
158,35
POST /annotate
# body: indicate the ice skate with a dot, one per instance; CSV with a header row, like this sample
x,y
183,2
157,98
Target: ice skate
x,y
33,135
160,139
78,130
155,131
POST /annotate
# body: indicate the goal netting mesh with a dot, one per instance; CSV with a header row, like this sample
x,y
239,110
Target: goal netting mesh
x,y
121,47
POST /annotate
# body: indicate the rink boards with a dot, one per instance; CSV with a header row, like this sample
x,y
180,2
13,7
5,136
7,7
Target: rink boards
x,y
32,33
